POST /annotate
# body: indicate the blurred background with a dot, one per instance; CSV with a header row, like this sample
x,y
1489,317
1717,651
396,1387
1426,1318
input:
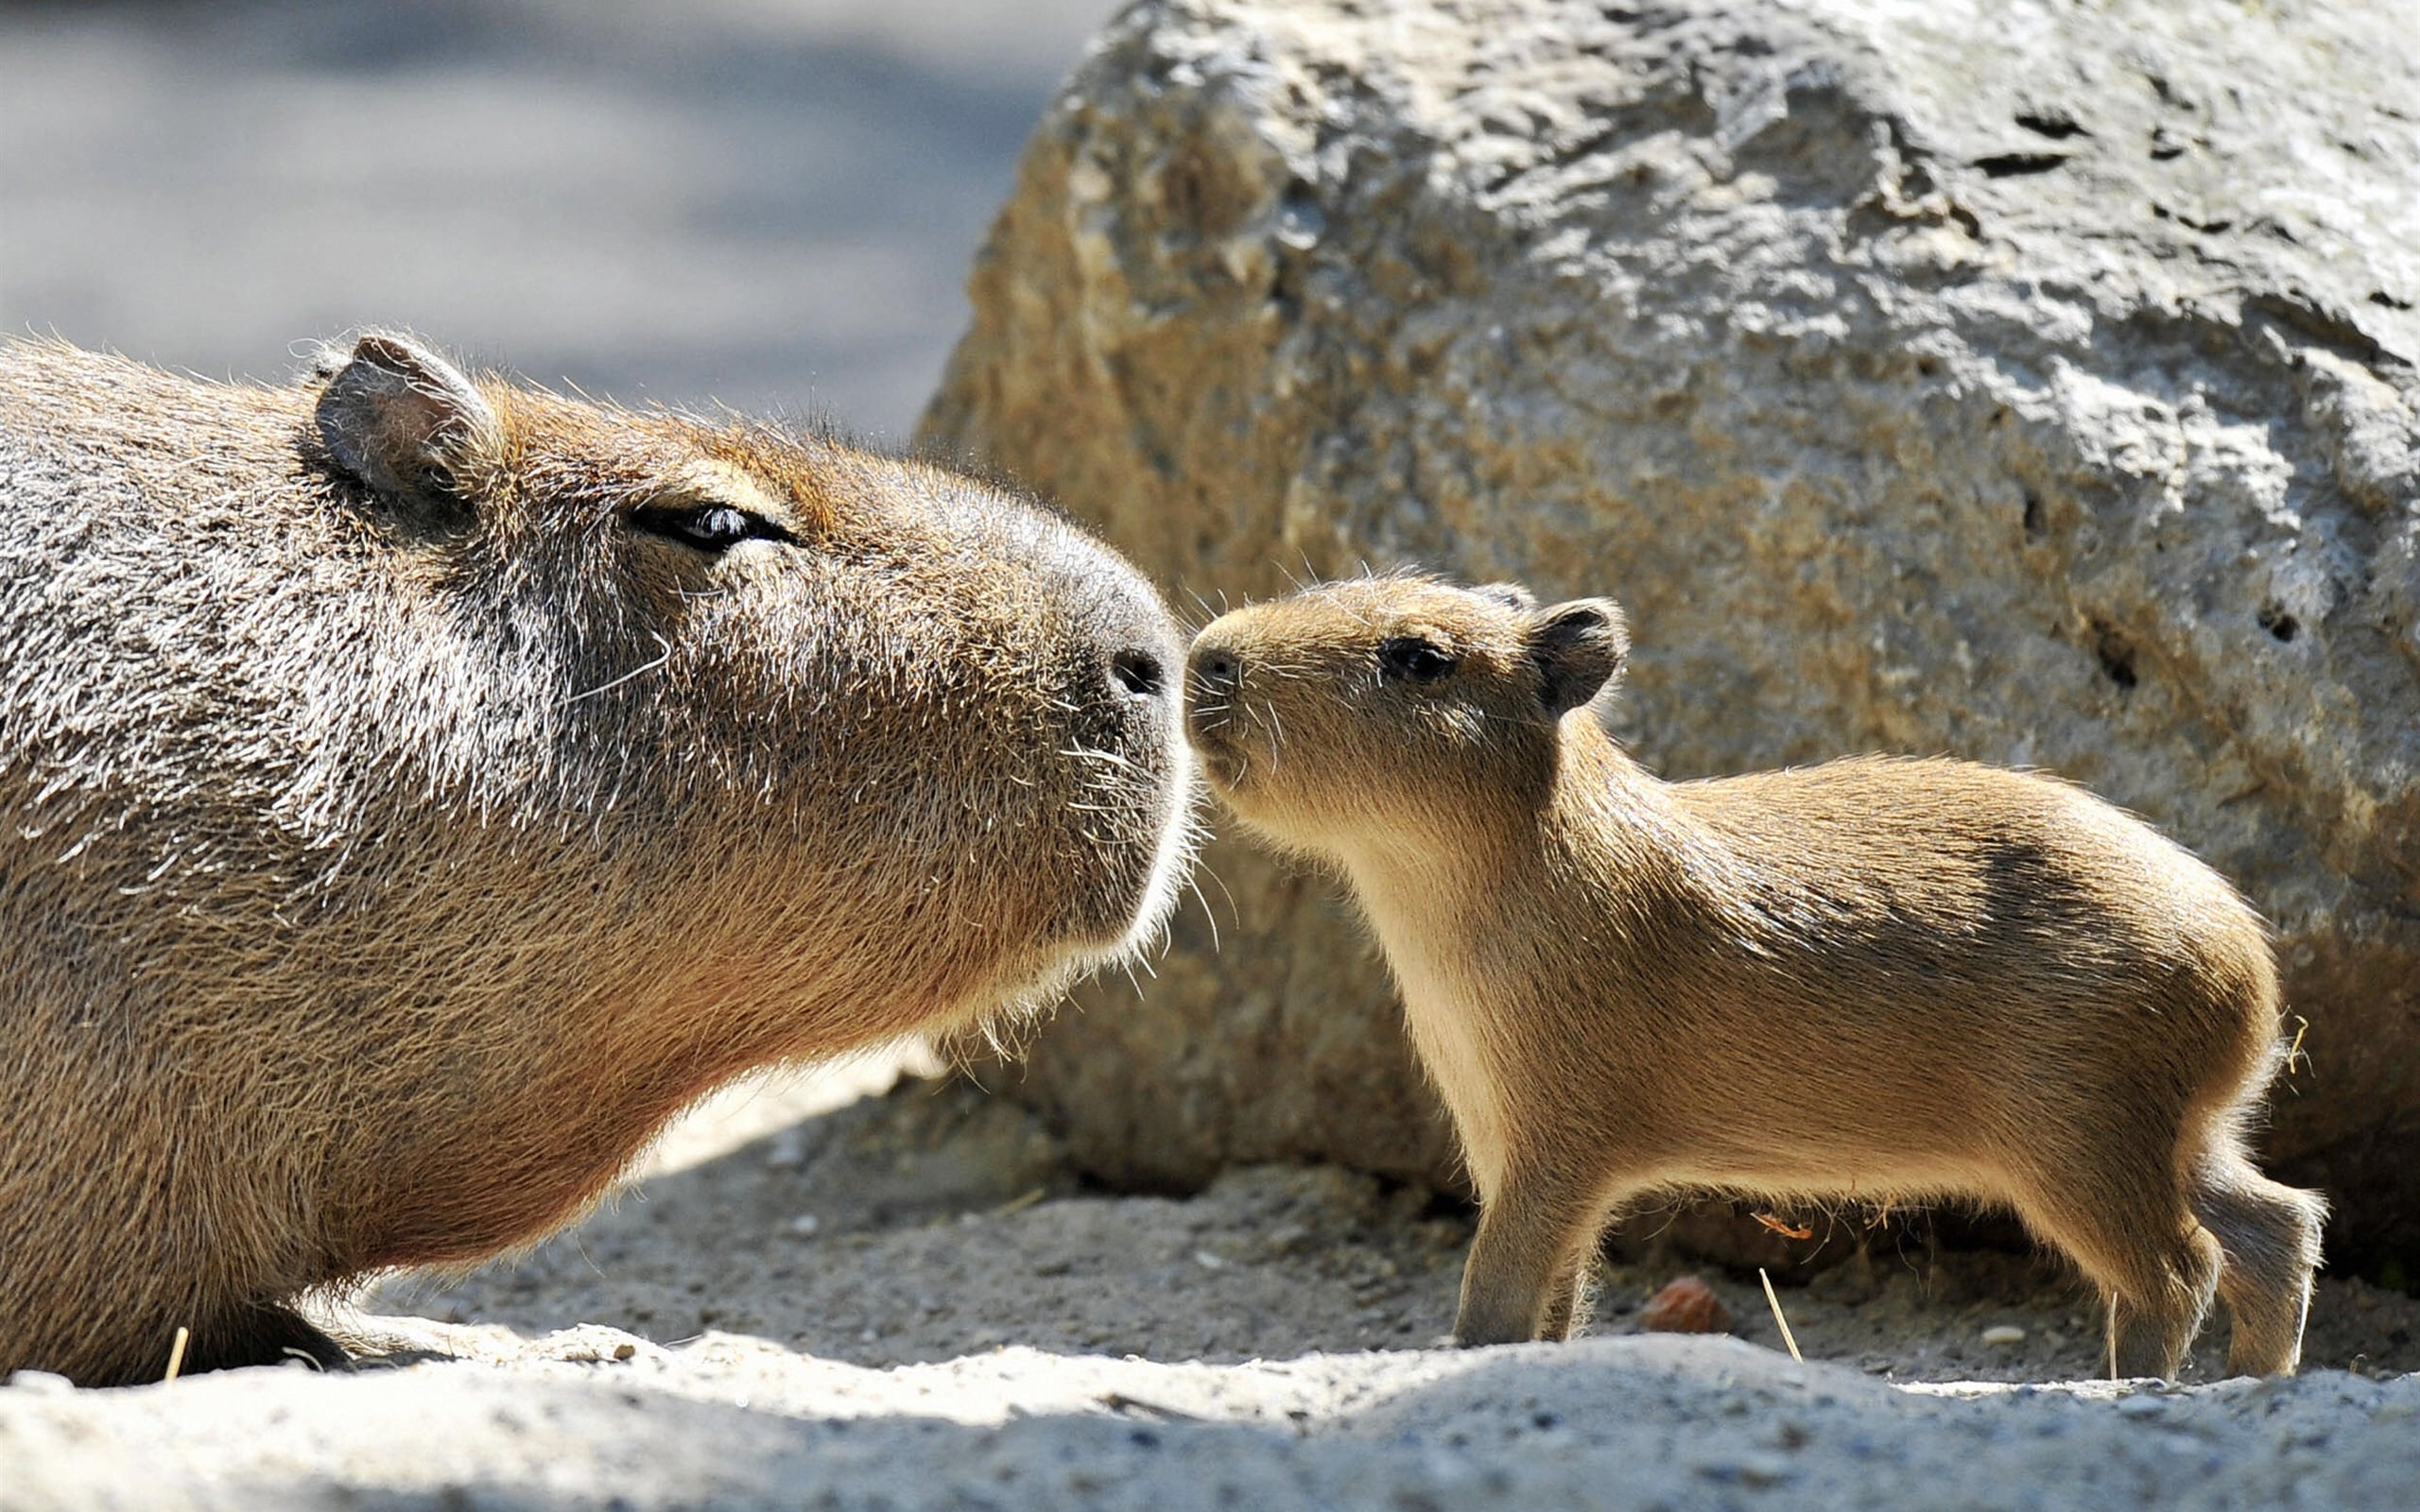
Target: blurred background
x,y
771,203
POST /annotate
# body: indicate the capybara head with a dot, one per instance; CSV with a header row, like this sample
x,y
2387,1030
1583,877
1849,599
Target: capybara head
x,y
419,787
894,720
1364,707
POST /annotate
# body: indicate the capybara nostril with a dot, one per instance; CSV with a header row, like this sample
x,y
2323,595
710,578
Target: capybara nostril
x,y
1138,672
1215,670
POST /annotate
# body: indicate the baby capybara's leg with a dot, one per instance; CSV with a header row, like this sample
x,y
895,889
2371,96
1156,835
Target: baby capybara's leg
x,y
2269,1237
2125,1225
1522,1280
1569,1303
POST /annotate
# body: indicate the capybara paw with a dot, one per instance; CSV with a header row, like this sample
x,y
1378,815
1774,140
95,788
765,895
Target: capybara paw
x,y
262,1337
1476,1332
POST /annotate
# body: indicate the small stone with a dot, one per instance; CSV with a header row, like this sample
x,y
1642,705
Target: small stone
x,y
2000,1335
1753,1469
1208,1261
626,1350
805,1225
1289,1239
1686,1305
1763,1469
1301,224
40,1382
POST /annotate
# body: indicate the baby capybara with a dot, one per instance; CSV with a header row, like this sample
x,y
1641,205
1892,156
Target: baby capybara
x,y
1873,980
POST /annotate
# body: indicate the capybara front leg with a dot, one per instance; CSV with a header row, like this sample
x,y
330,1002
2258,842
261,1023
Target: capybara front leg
x,y
1523,1267
1570,1302
262,1336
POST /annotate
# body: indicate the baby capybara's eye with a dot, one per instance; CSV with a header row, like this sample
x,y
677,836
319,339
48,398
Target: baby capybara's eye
x,y
1413,658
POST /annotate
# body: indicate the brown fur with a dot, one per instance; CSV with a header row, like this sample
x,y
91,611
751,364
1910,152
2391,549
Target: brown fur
x,y
1874,980
405,812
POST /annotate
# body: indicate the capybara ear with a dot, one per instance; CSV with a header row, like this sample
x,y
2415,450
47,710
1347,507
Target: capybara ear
x,y
1576,648
1511,595
404,422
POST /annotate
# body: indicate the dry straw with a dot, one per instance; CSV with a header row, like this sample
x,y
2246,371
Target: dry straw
x,y
1786,1337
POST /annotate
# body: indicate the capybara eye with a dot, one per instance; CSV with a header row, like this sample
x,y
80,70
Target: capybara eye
x,y
709,527
1413,658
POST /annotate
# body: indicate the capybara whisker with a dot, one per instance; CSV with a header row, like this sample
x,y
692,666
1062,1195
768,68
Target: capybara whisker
x,y
635,673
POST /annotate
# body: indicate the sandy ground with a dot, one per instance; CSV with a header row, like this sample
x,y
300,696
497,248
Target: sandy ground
x,y
916,1227
907,1301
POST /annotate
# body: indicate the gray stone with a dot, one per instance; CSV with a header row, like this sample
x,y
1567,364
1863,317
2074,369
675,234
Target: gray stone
x,y
2031,383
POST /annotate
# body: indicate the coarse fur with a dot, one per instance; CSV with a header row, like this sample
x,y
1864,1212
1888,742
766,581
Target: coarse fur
x,y
1875,980
418,787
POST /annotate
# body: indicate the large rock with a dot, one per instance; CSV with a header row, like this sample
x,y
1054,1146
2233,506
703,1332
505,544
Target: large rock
x,y
2028,382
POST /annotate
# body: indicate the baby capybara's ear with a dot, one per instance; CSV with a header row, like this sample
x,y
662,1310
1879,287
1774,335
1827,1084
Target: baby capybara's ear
x,y
1511,595
1577,647
405,422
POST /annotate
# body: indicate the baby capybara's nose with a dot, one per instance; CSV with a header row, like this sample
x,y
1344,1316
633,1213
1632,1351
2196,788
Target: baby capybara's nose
x,y
1212,672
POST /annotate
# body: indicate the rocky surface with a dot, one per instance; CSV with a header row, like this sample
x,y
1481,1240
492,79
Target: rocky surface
x,y
2027,381
959,1326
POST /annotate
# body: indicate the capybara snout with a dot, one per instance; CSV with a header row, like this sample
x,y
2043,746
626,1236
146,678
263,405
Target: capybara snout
x,y
1049,661
419,787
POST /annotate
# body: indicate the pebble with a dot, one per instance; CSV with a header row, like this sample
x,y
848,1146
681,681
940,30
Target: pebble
x,y
41,1383
1754,1469
805,1224
1686,1305
1288,1239
2002,1334
1764,1470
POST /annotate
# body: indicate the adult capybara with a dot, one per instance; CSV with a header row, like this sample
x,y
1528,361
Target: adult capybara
x,y
1874,980
418,788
